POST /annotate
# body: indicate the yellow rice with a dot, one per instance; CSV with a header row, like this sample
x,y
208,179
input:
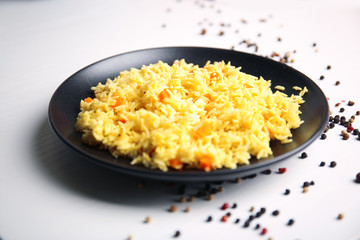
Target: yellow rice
x,y
182,111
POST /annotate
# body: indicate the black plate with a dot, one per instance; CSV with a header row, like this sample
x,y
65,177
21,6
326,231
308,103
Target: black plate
x,y
64,107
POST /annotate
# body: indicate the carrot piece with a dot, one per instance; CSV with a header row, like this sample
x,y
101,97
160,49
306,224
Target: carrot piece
x,y
164,94
118,102
208,96
176,163
123,120
267,115
138,87
202,131
214,75
206,162
207,108
88,100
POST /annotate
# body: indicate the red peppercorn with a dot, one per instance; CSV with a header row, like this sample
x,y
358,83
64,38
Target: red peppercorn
x,y
225,206
282,170
224,218
263,231
350,129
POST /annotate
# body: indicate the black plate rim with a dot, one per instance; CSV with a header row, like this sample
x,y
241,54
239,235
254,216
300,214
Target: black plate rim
x,y
184,175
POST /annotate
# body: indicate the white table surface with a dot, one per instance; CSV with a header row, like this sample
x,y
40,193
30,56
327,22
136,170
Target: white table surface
x,y
49,192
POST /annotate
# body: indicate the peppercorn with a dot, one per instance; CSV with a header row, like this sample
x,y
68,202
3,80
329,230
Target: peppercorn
x,y
287,191
304,155
251,209
275,213
266,172
147,219
323,136
328,67
234,206
224,218
237,220
345,136
331,125
356,131
263,231
306,184
257,226
290,222
209,219
340,216
177,233
173,208
337,83
357,179
332,164
322,77
210,197
225,206
351,103
342,109
187,209
282,170
322,164
357,113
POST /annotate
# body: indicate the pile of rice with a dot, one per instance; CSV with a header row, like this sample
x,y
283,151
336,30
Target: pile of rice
x,y
186,116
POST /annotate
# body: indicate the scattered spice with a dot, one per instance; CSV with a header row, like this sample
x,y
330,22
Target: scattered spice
x,y
282,170
203,31
251,209
287,192
332,164
342,109
187,209
225,206
263,231
237,220
210,197
147,219
209,219
351,103
340,216
337,83
275,213
177,234
257,226
290,222
322,77
322,164
305,189
224,218
304,155
173,208
266,172
323,136
234,206
221,33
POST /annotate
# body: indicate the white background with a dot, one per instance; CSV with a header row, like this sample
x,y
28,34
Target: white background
x,y
49,192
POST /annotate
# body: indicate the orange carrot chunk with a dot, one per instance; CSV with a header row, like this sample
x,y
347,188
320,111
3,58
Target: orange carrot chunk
x,y
214,75
206,162
176,164
88,100
202,131
164,94
118,102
